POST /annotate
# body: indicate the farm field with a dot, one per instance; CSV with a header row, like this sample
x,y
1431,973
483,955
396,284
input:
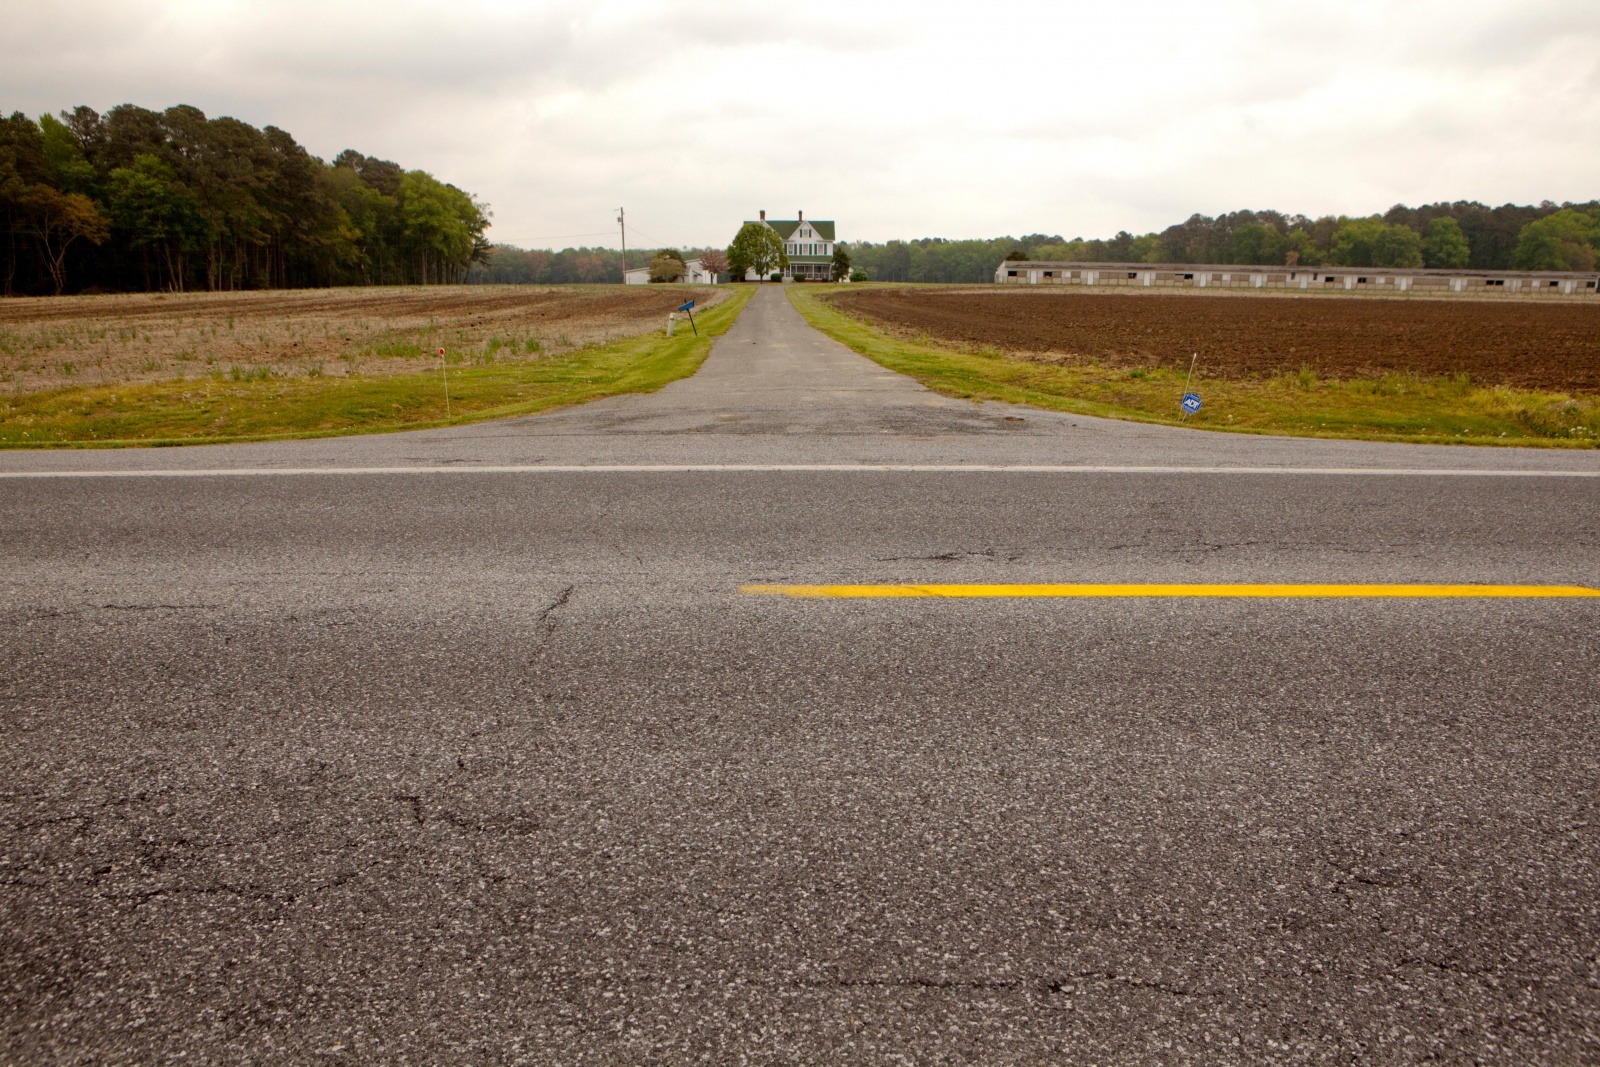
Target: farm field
x,y
245,366
1384,368
56,342
1523,344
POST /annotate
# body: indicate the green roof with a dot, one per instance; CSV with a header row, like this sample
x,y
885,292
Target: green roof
x,y
787,227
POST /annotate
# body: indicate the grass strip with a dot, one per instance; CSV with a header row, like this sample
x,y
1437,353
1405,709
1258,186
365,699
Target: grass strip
x,y
216,409
1395,407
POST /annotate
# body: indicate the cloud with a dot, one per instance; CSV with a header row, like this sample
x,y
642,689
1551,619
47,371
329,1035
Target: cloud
x,y
898,119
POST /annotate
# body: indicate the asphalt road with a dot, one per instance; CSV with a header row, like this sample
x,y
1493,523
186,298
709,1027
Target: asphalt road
x,y
502,767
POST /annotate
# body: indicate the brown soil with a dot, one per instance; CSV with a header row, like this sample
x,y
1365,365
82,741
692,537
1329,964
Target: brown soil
x,y
47,343
1528,345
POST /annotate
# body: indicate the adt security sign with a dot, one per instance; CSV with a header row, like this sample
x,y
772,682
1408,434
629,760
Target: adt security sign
x,y
1191,402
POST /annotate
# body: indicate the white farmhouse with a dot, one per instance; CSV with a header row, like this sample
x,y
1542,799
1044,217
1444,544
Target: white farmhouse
x,y
809,244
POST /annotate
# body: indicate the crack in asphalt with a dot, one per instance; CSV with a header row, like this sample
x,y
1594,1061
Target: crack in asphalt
x,y
1351,875
952,557
545,616
158,607
1060,985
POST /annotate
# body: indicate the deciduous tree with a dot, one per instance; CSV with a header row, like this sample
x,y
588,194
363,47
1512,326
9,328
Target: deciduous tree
x,y
757,247
55,220
841,263
667,266
714,261
1566,240
1371,242
1445,245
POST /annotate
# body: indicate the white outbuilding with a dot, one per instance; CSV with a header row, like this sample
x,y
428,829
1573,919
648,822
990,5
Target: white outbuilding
x,y
694,273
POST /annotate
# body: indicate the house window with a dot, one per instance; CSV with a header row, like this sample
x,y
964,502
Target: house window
x,y
1011,274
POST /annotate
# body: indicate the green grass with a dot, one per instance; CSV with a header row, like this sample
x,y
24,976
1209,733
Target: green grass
x,y
1396,407
248,404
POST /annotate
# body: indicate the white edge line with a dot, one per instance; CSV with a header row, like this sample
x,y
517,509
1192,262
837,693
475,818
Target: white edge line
x,y
864,468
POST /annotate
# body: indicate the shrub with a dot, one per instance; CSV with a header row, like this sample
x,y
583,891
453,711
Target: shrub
x,y
858,276
666,267
777,276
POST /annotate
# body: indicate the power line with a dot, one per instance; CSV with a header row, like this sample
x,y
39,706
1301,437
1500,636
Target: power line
x,y
658,244
593,233
563,236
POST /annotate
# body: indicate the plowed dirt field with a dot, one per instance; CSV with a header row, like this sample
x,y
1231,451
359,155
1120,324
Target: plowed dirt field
x,y
1528,345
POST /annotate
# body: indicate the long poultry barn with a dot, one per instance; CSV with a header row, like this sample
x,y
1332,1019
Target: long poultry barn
x,y
1234,276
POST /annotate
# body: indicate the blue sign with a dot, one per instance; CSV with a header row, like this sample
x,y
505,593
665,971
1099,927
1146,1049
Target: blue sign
x,y
686,307
1191,402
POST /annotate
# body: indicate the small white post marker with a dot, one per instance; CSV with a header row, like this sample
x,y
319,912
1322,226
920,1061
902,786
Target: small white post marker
x,y
443,374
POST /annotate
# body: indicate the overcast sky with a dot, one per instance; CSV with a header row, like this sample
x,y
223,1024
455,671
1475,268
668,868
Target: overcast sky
x,y
897,119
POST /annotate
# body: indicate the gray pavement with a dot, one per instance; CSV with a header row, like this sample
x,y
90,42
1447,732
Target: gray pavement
x,y
503,768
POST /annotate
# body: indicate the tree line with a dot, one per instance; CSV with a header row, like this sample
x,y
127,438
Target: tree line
x,y
1464,234
509,265
143,200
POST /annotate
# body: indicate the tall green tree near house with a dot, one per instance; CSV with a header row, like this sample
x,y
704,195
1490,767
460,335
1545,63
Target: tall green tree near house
x,y
840,268
758,248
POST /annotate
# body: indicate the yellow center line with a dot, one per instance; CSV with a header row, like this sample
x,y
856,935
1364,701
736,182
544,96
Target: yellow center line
x,y
1173,590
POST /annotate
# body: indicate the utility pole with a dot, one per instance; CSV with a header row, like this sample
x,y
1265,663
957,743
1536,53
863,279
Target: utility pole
x,y
620,222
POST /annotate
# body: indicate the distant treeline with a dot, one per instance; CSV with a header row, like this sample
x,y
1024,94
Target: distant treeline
x,y
138,199
1463,234
510,265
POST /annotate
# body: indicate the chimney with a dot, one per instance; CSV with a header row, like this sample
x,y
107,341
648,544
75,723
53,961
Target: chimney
x,y
763,214
801,215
